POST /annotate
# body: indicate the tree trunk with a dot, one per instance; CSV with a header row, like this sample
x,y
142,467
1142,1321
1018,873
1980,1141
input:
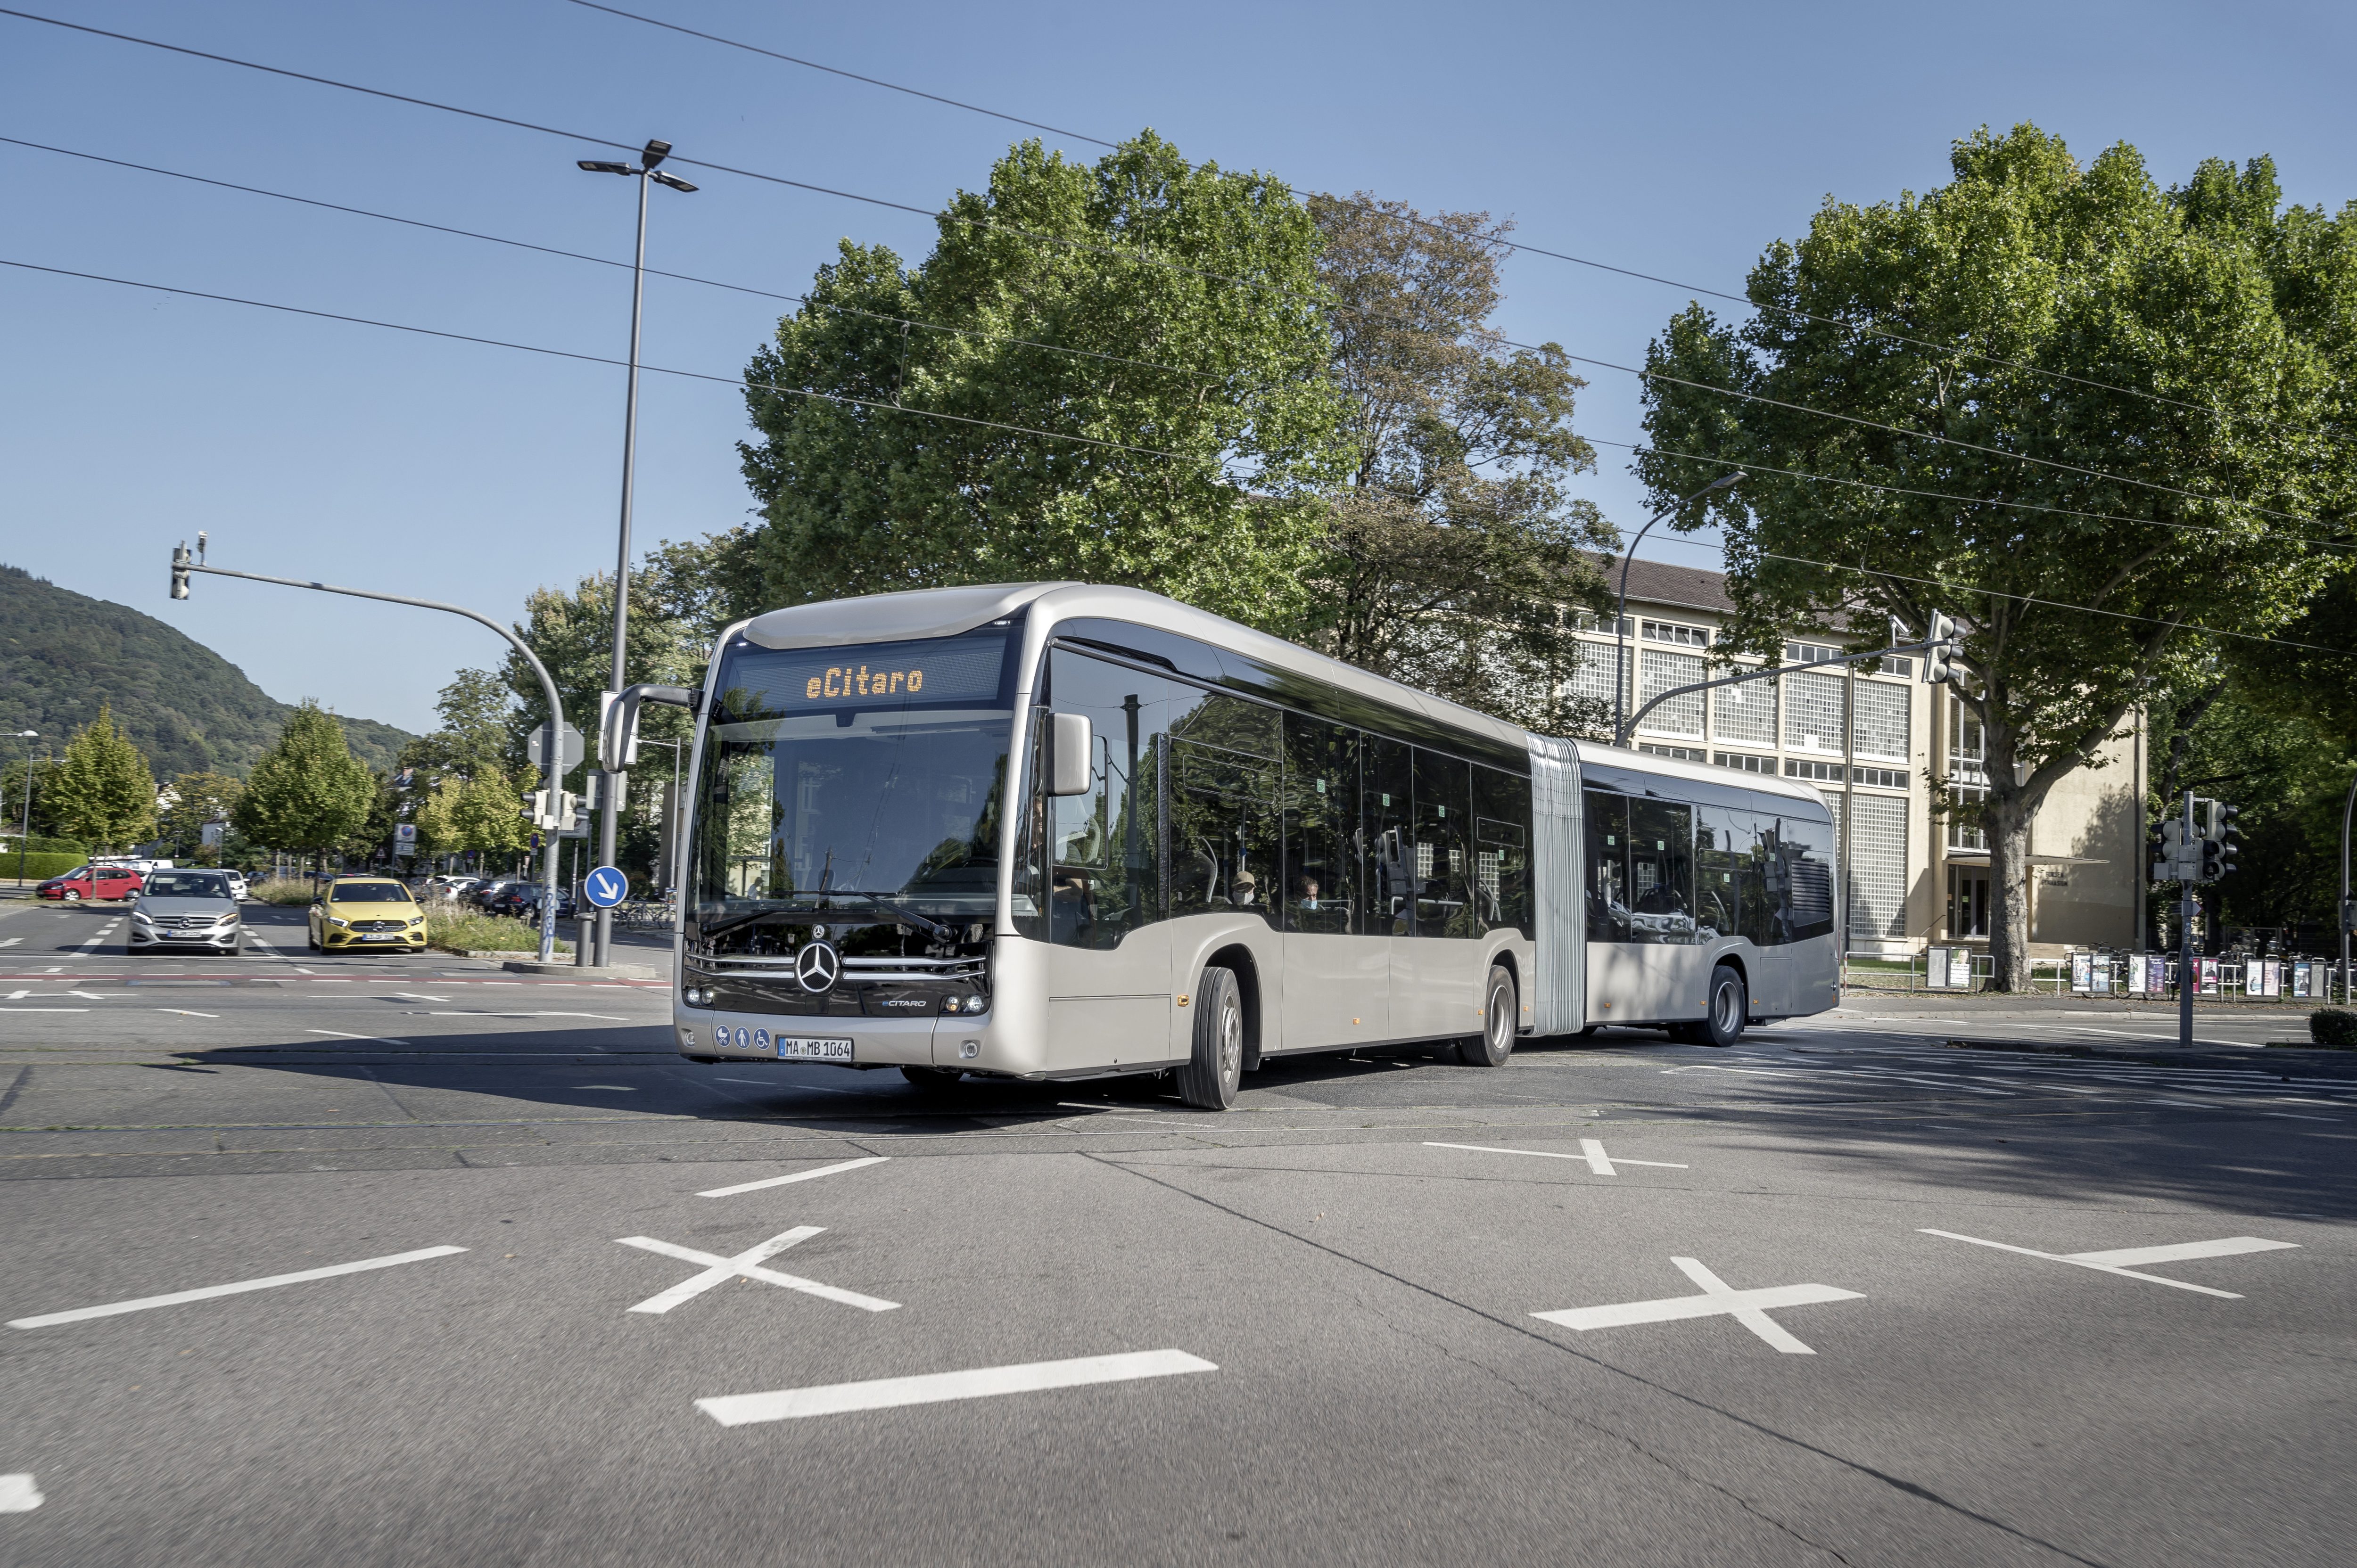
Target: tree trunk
x,y
2008,839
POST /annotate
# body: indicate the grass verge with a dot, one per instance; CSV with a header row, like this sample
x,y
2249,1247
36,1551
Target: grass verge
x,y
483,933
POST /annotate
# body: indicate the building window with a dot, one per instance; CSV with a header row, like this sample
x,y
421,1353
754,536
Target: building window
x,y
1880,777
1745,713
1823,772
1813,712
1967,773
1899,664
1685,636
1676,753
1874,876
1807,652
1738,760
1658,673
1594,677
1879,719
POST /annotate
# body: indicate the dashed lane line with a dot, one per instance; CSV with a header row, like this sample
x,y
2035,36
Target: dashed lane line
x,y
798,1176
936,1388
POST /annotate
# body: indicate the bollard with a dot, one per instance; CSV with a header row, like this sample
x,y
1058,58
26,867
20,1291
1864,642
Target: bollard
x,y
582,924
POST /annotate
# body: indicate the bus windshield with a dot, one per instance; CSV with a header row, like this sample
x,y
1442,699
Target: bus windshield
x,y
862,778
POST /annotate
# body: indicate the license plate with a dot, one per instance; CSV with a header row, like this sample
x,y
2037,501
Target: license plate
x,y
380,936
802,1049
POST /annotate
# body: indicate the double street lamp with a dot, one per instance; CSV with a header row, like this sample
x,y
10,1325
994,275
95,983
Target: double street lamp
x,y
645,171
25,840
1620,680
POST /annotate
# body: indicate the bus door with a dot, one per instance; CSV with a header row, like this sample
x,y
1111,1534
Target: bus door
x,y
1436,960
1337,953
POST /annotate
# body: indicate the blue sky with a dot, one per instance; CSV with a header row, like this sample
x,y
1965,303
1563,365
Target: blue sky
x,y
1670,139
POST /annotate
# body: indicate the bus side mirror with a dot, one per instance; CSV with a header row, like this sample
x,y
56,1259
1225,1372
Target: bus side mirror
x,y
1068,753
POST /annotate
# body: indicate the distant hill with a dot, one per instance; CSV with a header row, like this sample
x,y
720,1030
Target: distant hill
x,y
62,653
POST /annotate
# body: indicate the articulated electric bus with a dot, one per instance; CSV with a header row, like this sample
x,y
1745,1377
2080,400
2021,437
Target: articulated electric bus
x,y
1054,831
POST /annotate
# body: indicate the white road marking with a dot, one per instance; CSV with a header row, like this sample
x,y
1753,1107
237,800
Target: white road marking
x,y
11,942
208,1292
1590,1150
415,996
608,1018
18,1494
719,1271
798,1176
44,1009
934,1388
617,1087
185,1013
2113,1263
339,1034
1749,1307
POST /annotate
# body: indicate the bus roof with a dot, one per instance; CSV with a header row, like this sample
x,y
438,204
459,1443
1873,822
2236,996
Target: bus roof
x,y
1597,754
944,612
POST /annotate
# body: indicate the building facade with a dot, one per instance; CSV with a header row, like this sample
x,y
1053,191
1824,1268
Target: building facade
x,y
1877,741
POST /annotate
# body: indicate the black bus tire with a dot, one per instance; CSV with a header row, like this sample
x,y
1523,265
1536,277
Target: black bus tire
x,y
1727,1006
1215,1068
1495,1043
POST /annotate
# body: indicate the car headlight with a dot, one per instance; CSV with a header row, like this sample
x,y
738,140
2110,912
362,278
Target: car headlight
x,y
141,917
417,919
338,921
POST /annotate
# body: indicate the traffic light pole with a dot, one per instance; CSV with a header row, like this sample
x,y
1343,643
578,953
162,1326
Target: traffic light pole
x,y
2185,978
553,748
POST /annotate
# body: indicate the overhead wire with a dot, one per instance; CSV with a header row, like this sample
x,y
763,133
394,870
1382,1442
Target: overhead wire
x,y
603,360
1144,257
1502,243
1018,429
602,261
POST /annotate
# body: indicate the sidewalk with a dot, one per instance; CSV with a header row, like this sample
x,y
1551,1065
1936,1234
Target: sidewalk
x,y
2292,1012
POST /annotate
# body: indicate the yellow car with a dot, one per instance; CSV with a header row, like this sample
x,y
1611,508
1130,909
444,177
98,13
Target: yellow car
x,y
366,912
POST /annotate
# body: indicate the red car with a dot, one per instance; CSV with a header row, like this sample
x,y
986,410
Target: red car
x,y
91,882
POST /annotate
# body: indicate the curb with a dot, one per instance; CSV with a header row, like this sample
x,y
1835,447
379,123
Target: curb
x,y
561,966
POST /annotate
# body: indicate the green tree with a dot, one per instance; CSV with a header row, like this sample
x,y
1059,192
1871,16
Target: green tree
x,y
11,794
2001,312
101,789
197,799
483,813
1453,544
1186,303
308,792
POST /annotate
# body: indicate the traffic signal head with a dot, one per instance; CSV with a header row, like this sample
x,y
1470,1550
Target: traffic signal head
x,y
1939,649
180,570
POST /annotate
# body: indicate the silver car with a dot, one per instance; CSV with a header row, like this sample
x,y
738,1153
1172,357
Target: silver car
x,y
186,909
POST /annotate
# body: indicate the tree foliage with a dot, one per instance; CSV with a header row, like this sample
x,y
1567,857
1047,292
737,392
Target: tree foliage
x,y
307,792
196,799
1042,308
1453,544
102,788
2001,312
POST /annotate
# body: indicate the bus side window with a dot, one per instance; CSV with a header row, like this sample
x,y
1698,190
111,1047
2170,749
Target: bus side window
x,y
1444,848
1726,877
1660,872
1389,781
1106,847
1608,866
1322,826
1502,857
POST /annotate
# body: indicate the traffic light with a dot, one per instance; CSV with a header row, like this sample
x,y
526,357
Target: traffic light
x,y
2213,860
180,570
2166,841
1939,649
2229,831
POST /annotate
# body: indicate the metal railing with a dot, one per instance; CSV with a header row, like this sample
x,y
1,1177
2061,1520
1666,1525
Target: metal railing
x,y
2150,977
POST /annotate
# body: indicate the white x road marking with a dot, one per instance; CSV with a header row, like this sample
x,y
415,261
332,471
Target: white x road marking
x,y
1749,1307
719,1271
1590,1150
2116,1261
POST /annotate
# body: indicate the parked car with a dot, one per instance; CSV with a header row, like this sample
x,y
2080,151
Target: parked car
x,y
447,886
91,882
481,894
521,900
237,884
186,908
356,912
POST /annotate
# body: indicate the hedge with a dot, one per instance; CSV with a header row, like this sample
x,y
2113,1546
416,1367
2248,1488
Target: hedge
x,y
2333,1027
40,866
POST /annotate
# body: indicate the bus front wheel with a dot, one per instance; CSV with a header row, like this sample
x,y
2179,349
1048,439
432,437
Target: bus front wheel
x,y
1495,1043
1216,1067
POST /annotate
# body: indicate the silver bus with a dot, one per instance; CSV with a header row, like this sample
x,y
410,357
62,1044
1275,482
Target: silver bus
x,y
1055,831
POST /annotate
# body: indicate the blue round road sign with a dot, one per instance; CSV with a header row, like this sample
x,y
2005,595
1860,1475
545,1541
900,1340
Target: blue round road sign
x,y
606,887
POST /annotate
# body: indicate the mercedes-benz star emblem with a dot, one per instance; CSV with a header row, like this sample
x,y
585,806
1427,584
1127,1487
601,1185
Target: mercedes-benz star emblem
x,y
818,966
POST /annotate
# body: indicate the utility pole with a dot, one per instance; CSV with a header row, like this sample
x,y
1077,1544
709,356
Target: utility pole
x,y
611,788
2185,980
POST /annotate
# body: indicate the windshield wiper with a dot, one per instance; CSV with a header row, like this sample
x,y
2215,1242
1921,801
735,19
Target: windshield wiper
x,y
884,902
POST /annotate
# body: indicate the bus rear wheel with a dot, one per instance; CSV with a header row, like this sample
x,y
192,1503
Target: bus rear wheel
x,y
1495,1043
932,1079
1216,1067
1727,1005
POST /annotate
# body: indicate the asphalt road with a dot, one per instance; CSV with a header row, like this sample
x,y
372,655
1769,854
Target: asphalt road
x,y
1840,1294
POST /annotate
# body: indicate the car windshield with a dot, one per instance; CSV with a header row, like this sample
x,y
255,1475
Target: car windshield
x,y
368,893
186,884
858,773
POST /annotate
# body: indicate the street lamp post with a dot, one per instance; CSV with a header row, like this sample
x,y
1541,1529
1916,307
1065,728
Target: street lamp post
x,y
2347,807
609,796
25,840
1620,615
